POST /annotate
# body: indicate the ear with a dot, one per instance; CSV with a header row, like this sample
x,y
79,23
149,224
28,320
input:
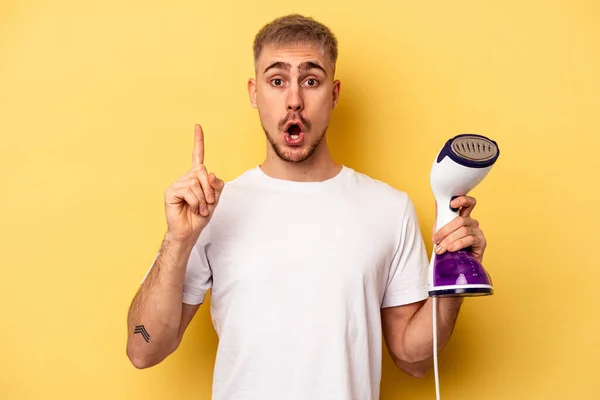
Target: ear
x,y
337,87
252,92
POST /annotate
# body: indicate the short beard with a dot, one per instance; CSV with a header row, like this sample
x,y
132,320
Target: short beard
x,y
281,154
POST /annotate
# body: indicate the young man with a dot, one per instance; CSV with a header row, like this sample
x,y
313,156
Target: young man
x,y
308,261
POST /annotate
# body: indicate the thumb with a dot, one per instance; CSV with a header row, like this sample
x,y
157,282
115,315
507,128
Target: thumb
x,y
217,184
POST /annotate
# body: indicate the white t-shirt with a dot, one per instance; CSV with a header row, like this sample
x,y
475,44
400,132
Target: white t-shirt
x,y
299,272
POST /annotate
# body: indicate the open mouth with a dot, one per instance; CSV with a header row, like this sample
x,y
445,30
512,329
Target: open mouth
x,y
294,131
294,134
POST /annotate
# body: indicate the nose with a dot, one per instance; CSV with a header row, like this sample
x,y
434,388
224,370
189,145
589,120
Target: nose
x,y
294,100
294,106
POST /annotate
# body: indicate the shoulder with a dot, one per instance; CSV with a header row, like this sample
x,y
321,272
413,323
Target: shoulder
x,y
241,189
390,206
247,176
381,192
243,182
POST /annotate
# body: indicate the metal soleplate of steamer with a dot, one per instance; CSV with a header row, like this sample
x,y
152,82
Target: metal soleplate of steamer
x,y
474,148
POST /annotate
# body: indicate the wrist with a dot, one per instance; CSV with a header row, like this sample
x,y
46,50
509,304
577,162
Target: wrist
x,y
176,250
178,243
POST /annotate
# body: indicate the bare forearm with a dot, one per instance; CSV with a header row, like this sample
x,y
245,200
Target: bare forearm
x,y
154,316
418,339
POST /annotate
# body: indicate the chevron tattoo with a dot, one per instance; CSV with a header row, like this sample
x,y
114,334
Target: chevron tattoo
x,y
142,331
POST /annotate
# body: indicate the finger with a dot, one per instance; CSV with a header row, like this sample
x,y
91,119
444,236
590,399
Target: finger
x,y
467,241
209,192
185,194
192,173
463,201
450,227
200,207
217,184
449,242
192,183
198,155
199,173
465,204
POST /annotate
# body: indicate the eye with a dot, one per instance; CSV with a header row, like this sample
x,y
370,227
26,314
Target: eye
x,y
277,82
312,82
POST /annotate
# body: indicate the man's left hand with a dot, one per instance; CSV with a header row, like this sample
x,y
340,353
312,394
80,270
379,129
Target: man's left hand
x,y
462,232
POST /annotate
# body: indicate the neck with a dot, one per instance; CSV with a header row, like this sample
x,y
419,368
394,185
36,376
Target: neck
x,y
319,167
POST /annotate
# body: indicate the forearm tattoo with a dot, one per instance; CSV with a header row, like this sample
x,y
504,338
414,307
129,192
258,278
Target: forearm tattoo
x,y
142,331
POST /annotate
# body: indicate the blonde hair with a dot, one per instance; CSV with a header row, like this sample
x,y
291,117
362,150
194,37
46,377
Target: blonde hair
x,y
296,29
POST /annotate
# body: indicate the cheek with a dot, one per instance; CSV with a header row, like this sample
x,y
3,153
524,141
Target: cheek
x,y
267,110
320,107
268,100
266,117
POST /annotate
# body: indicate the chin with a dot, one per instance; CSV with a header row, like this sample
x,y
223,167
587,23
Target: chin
x,y
294,154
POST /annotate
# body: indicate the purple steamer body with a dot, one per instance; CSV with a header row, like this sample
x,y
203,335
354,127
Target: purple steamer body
x,y
459,268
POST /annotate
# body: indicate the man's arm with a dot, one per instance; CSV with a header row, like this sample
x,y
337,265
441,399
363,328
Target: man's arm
x,y
408,329
408,332
157,317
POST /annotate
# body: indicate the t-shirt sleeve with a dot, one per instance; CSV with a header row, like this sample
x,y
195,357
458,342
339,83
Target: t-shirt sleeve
x,y
198,274
407,280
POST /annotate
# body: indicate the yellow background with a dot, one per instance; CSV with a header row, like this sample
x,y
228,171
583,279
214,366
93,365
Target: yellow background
x,y
97,106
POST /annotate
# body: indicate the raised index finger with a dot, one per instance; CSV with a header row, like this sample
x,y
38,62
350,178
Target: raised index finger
x,y
198,155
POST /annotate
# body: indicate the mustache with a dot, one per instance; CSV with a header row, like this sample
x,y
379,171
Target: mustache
x,y
306,123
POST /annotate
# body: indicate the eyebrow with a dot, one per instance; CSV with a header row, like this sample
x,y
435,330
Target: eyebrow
x,y
303,67
307,65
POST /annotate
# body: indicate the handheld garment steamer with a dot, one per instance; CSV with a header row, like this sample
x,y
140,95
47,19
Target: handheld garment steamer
x,y
460,165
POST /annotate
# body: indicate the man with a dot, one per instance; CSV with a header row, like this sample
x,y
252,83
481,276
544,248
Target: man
x,y
308,261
